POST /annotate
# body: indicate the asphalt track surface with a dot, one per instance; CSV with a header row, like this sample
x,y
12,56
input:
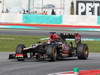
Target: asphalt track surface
x,y
32,67
46,31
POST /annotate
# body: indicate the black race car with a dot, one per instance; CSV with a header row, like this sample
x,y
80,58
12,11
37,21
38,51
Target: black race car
x,y
53,50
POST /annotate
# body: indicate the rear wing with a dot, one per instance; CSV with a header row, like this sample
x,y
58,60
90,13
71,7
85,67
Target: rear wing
x,y
69,36
65,36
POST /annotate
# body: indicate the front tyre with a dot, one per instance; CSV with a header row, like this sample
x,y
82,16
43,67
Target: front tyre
x,y
19,52
52,53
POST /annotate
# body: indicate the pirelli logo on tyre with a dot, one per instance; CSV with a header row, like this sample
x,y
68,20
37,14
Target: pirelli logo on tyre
x,y
88,7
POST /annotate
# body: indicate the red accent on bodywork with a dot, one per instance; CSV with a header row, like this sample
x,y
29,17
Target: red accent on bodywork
x,y
19,55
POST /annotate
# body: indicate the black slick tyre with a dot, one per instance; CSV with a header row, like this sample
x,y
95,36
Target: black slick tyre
x,y
82,51
19,50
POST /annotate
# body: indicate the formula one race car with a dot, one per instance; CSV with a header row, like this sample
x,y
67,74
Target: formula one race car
x,y
54,49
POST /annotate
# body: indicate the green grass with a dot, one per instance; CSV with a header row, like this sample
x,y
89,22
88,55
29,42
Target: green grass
x,y
94,46
9,42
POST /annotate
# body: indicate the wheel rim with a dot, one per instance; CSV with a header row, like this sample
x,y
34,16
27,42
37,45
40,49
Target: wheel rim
x,y
54,53
86,52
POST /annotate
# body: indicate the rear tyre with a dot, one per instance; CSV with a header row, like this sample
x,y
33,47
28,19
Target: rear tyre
x,y
82,51
52,53
19,50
